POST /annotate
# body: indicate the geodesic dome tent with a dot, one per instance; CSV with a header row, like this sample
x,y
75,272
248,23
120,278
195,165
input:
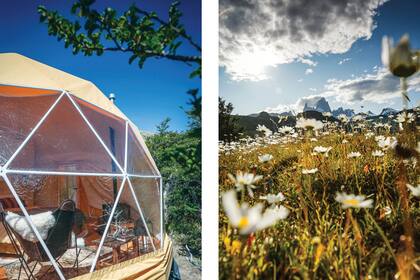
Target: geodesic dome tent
x,y
61,139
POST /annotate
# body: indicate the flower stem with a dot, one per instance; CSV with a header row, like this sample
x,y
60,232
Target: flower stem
x,y
382,234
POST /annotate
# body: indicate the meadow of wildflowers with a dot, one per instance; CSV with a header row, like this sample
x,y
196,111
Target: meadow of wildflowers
x,y
322,200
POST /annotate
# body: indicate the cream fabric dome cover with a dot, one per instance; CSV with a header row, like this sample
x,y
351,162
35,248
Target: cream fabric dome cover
x,y
19,70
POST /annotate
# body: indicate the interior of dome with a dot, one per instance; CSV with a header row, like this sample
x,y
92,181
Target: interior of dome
x,y
69,166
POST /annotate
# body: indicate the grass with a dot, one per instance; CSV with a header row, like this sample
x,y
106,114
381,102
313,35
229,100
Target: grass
x,y
319,239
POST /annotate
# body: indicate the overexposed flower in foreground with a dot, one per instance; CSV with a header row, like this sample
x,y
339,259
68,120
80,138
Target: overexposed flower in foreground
x,y
273,198
262,128
353,155
265,158
309,124
405,117
378,153
414,190
250,219
353,201
309,171
245,180
322,150
400,59
286,130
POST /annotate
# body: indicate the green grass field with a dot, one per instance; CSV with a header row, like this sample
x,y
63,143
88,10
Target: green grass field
x,y
323,236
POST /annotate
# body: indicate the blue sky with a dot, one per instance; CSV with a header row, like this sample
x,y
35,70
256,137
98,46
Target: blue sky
x,y
266,52
147,95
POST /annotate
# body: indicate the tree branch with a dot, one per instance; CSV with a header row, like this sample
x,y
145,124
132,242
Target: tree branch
x,y
181,33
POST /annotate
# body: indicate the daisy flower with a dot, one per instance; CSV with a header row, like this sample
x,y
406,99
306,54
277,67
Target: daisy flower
x,y
386,143
353,201
415,191
357,118
273,198
245,180
250,219
309,124
286,130
353,155
369,135
262,128
309,171
322,150
265,158
378,153
405,117
343,118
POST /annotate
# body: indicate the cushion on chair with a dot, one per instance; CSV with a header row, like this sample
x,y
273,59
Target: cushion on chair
x,y
42,221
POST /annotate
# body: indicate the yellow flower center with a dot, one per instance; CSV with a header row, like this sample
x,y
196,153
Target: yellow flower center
x,y
243,222
351,202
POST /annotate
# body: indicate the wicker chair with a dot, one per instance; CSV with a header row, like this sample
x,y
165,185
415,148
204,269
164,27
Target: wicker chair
x,y
58,239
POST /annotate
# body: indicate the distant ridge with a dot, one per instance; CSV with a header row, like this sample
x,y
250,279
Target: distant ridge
x,y
275,120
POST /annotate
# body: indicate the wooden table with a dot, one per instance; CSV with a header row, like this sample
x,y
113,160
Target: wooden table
x,y
117,245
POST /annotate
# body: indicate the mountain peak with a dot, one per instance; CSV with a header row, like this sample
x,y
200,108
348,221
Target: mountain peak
x,y
387,111
321,105
264,114
348,112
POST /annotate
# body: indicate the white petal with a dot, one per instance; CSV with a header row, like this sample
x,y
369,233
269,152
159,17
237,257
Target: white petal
x,y
271,216
366,203
385,51
231,206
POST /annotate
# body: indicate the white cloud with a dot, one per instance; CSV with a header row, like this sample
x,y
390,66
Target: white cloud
x,y
344,60
309,71
257,35
308,62
295,107
377,87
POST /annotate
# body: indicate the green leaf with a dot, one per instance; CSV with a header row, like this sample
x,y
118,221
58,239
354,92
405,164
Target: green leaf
x,y
132,58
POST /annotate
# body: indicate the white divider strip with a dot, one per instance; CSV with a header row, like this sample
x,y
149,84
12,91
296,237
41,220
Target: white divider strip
x,y
141,212
126,147
33,131
144,176
108,224
94,131
14,171
34,229
162,237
